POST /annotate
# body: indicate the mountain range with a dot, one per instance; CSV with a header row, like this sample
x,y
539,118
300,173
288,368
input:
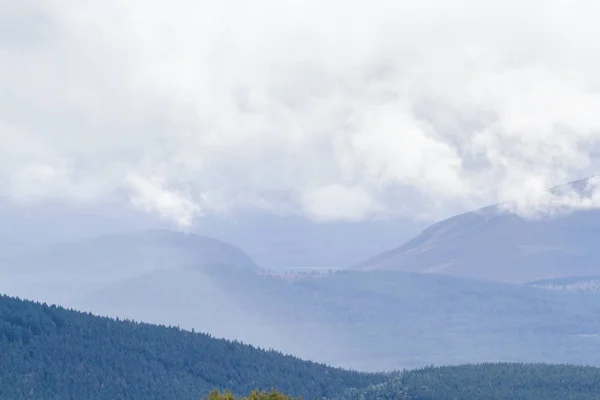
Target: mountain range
x,y
454,294
376,320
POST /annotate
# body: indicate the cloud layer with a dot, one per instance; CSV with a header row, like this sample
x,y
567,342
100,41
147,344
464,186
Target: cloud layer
x,y
330,109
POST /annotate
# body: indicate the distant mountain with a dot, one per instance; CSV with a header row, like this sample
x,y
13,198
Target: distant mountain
x,y
66,270
492,244
273,241
131,253
373,320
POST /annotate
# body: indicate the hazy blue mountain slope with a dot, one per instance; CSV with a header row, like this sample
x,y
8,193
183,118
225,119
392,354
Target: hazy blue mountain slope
x,y
493,245
273,241
412,320
368,320
234,304
74,268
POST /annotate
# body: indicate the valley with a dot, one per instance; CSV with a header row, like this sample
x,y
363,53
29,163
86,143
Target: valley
x,y
50,353
365,320
317,200
407,309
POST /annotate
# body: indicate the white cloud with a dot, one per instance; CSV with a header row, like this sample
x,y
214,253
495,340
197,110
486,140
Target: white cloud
x,y
150,195
337,202
339,110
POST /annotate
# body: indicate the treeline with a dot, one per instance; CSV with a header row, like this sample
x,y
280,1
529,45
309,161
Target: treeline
x,y
503,381
487,381
47,352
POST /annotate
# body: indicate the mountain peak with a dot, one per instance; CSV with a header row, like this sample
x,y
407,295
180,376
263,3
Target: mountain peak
x,y
502,246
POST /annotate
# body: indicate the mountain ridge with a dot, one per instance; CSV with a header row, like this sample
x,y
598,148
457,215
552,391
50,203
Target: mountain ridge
x,y
493,244
88,264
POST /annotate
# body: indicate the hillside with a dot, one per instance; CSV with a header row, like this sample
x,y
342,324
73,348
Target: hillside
x,y
488,381
61,272
491,244
378,320
375,320
47,352
273,241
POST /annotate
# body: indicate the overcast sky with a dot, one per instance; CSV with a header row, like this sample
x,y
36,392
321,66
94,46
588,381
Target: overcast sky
x,y
335,110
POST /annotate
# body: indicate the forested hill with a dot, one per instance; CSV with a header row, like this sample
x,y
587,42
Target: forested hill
x,y
504,381
487,381
47,352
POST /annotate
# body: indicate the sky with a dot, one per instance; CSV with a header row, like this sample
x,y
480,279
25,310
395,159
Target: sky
x,y
331,110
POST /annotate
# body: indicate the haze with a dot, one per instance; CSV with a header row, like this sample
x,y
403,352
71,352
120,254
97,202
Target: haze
x,y
157,156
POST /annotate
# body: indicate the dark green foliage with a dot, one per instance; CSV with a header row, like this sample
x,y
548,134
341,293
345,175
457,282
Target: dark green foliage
x,y
487,381
391,389
47,352
503,381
